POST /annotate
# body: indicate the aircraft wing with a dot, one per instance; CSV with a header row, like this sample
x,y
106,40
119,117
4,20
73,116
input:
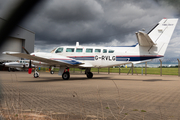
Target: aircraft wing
x,y
47,61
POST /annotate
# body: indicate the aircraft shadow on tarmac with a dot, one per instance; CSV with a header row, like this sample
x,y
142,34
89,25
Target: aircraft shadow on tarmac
x,y
148,80
154,80
49,79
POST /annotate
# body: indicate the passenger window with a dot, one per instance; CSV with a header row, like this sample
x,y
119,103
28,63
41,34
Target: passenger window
x,y
59,50
104,50
111,51
20,61
97,50
79,50
89,50
69,49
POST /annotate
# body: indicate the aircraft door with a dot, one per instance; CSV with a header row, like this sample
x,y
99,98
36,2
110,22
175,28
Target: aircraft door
x,y
97,57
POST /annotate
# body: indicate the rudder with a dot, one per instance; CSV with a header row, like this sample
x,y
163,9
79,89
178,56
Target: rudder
x,y
161,35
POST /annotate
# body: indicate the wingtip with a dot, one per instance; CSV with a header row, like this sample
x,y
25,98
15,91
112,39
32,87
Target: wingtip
x,y
9,52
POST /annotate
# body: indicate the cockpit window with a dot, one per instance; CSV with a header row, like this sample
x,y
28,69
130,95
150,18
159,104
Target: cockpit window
x,y
111,51
69,49
104,50
59,50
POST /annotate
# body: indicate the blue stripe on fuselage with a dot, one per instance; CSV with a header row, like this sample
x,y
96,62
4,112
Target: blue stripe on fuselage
x,y
83,58
118,58
72,62
136,58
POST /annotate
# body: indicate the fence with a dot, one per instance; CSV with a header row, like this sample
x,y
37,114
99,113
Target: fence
x,y
143,70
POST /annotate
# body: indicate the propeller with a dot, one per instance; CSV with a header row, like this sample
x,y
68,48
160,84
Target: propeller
x,y
2,64
30,66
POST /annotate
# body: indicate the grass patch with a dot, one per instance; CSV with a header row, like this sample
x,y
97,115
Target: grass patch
x,y
155,71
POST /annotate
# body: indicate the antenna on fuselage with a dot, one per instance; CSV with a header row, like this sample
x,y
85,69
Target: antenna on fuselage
x,y
77,44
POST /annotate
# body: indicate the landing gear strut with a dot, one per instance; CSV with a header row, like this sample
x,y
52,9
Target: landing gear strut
x,y
88,73
51,69
36,74
66,74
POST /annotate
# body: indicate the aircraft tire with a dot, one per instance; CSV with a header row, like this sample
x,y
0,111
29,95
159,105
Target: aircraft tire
x,y
65,75
36,75
52,72
89,75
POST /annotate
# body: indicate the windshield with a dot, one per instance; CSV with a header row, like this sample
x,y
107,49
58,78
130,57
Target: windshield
x,y
59,50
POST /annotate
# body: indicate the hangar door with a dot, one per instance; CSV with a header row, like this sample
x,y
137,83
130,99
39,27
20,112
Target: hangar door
x,y
11,44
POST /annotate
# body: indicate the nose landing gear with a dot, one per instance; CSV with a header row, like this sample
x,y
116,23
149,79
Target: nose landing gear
x,y
36,73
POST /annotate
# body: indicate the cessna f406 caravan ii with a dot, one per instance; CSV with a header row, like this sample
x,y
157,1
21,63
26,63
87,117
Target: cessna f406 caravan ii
x,y
150,45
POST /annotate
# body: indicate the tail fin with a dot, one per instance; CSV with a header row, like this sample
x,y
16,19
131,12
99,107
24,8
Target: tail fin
x,y
158,38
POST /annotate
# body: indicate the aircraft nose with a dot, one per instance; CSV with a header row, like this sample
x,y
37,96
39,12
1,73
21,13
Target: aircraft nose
x,y
3,64
6,64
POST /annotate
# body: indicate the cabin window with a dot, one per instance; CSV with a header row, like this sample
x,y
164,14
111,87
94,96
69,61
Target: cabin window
x,y
111,51
88,50
69,49
59,50
104,50
20,61
79,50
97,50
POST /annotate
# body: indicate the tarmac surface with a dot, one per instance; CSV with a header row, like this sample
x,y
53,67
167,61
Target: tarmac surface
x,y
114,96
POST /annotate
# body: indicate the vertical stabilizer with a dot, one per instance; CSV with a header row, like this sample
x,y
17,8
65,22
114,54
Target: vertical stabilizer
x,y
161,35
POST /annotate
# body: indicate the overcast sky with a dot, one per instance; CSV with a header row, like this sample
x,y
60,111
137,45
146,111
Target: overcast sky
x,y
97,22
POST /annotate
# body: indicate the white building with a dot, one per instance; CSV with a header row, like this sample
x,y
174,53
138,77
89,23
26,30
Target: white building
x,y
21,37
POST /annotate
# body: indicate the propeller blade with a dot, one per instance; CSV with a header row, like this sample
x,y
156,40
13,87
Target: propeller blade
x,y
30,67
25,50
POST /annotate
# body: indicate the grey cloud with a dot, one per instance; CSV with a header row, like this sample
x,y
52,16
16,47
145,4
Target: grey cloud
x,y
99,22
73,10
175,4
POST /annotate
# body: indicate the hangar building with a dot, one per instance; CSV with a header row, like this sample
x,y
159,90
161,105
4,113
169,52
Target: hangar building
x,y
20,37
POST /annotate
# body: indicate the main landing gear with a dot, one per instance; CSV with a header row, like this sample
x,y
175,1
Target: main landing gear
x,y
88,73
66,74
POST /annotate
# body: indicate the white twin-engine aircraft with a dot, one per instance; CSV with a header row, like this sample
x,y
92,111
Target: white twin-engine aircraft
x,y
19,65
150,45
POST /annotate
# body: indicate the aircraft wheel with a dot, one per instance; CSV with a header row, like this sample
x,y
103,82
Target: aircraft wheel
x,y
52,72
36,75
89,75
66,75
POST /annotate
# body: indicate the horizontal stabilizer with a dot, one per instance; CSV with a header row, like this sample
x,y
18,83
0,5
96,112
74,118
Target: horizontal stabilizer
x,y
144,40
